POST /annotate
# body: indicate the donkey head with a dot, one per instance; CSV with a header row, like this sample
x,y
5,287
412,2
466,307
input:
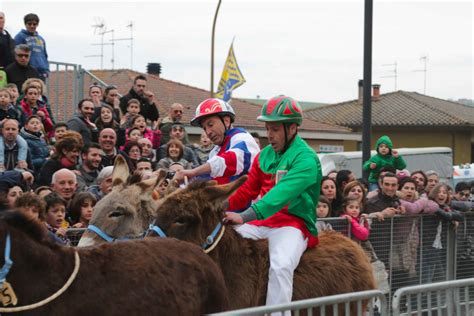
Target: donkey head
x,y
127,211
191,213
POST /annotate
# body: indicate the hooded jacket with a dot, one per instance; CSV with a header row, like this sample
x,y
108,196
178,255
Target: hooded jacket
x,y
37,44
38,148
383,160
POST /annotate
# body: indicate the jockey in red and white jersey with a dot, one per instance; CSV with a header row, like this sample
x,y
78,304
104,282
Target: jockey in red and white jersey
x,y
235,148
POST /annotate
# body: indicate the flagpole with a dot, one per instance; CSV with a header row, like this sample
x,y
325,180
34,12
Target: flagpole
x,y
212,48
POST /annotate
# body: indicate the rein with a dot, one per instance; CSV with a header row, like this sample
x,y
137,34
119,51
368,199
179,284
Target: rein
x,y
211,240
99,232
6,268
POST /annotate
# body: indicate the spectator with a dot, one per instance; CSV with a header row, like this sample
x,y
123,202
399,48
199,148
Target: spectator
x,y
147,105
204,148
352,213
385,156
7,44
104,183
64,183
178,132
89,169
432,180
7,109
96,94
174,153
323,210
257,139
82,123
111,98
153,135
147,148
81,209
60,129
43,190
133,109
106,120
20,70
30,205
386,201
66,152
144,165
42,99
8,198
36,43
175,115
420,179
355,189
14,147
30,105
14,94
108,142
37,146
55,218
11,178
343,177
134,152
329,191
462,191
332,174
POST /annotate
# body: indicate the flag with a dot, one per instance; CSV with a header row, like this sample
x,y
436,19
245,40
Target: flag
x,y
231,77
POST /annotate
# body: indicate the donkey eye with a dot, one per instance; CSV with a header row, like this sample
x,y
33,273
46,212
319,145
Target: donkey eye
x,y
115,214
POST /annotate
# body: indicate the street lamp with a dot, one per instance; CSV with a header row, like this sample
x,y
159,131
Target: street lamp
x,y
212,48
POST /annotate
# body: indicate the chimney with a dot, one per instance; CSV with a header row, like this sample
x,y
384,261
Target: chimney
x,y
375,92
154,69
361,90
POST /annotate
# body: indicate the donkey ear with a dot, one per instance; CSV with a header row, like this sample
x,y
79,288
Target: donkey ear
x,y
150,184
120,173
223,191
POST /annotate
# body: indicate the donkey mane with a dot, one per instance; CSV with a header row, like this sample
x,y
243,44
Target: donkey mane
x,y
32,227
198,184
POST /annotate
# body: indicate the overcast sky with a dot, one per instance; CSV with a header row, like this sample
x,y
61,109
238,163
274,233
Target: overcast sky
x,y
311,50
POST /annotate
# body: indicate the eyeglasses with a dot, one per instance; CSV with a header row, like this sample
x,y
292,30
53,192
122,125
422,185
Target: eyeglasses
x,y
23,55
465,194
178,111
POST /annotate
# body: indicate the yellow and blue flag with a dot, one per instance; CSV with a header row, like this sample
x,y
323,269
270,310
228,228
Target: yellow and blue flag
x,y
231,78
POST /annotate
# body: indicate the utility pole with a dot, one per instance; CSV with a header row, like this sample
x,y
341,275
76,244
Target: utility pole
x,y
367,100
212,47
394,73
424,59
130,25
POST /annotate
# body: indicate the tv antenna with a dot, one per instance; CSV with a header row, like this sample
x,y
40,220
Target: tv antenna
x,y
101,29
423,59
394,72
129,25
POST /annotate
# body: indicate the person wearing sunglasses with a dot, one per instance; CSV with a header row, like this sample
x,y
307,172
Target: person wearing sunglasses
x,y
20,70
175,114
37,44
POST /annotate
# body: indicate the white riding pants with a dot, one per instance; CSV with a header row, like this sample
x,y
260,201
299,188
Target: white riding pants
x,y
286,246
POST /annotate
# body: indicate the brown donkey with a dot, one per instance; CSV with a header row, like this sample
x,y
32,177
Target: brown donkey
x,y
337,265
147,277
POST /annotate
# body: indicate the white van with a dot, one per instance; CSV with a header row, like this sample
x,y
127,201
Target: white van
x,y
463,173
439,159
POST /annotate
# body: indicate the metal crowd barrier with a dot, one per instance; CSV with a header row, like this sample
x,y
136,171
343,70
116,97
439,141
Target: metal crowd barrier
x,y
444,298
342,304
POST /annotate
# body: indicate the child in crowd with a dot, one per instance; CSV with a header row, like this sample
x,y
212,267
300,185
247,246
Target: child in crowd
x,y
14,93
7,111
385,156
38,147
81,209
359,224
31,205
43,190
55,216
323,210
133,108
153,135
204,148
30,105
60,128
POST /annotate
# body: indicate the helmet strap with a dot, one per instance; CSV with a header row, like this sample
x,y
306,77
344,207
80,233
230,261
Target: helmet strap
x,y
225,128
286,127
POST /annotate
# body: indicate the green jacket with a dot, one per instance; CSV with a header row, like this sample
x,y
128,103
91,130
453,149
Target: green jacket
x,y
299,188
383,161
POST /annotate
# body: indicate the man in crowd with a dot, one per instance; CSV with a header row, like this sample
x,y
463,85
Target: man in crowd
x,y
343,177
10,133
462,191
144,165
148,108
64,183
104,183
20,70
175,115
89,169
81,122
235,148
433,180
36,43
7,45
108,142
147,148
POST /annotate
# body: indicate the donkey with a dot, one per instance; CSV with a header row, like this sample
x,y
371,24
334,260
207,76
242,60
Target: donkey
x,y
337,265
143,277
127,211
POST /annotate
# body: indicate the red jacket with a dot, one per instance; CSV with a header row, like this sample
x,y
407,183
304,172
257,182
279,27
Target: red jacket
x,y
27,111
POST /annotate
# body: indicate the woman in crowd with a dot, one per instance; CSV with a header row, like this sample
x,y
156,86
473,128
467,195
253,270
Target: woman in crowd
x,y
420,179
329,190
174,153
8,198
66,153
106,120
81,209
134,152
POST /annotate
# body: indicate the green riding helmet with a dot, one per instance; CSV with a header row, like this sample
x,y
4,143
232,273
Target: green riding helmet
x,y
281,109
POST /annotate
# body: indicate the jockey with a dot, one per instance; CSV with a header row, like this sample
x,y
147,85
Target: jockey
x,y
287,174
235,148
